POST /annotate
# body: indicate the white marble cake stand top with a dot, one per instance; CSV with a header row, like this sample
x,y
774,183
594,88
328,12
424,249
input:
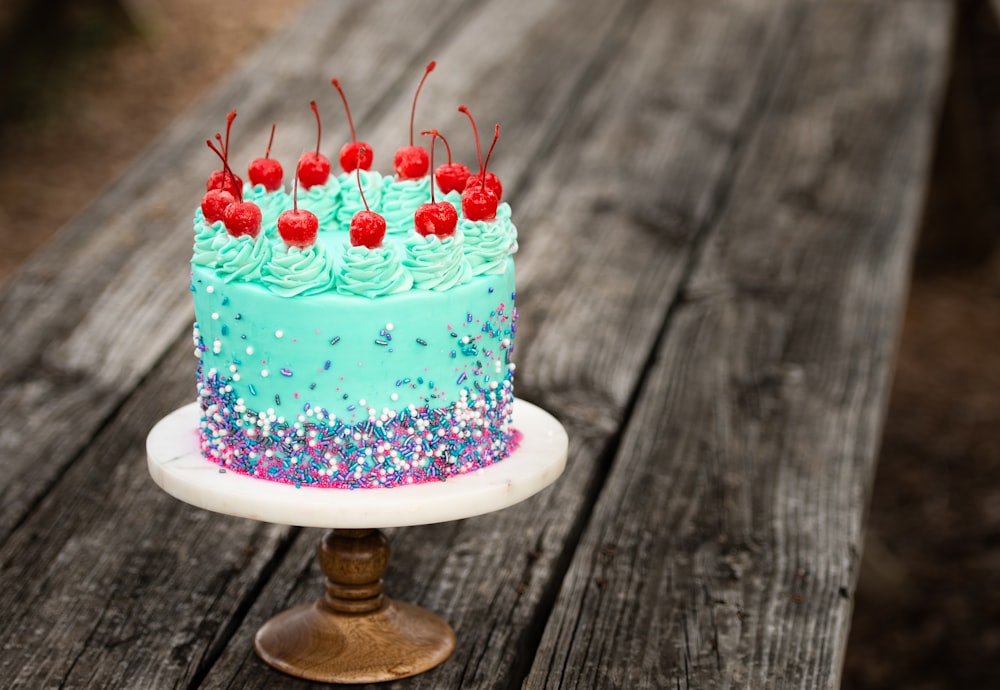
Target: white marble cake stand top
x,y
177,466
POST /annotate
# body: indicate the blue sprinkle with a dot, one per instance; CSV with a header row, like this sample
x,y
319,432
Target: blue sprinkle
x,y
312,386
335,340
420,379
346,396
454,354
326,365
420,341
490,290
468,317
225,300
454,334
225,329
238,317
460,378
406,380
286,372
237,362
277,399
253,391
381,342
350,408
194,289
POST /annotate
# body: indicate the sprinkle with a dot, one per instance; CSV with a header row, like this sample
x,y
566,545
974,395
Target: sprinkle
x,y
277,399
225,300
210,289
381,342
460,379
421,341
263,373
335,340
249,350
253,391
286,371
326,365
389,326
279,333
238,317
215,316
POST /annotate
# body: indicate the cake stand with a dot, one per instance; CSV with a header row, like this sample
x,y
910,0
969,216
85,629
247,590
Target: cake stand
x,y
354,633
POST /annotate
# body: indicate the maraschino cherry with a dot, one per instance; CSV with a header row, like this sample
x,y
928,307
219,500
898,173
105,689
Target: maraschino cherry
x,y
266,171
298,228
367,227
354,154
314,167
221,178
450,177
240,217
439,218
492,181
479,202
411,161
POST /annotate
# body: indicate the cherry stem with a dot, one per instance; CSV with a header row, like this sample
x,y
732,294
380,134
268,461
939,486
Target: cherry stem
x,y
496,135
434,135
413,109
226,170
475,131
267,154
319,125
350,122
295,194
361,151
229,125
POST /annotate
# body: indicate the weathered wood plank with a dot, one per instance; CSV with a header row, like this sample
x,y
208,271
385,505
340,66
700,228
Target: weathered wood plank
x,y
724,548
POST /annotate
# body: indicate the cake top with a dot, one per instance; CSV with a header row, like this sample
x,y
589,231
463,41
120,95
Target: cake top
x,y
358,232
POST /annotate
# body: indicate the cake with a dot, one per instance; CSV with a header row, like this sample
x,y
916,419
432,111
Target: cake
x,y
346,356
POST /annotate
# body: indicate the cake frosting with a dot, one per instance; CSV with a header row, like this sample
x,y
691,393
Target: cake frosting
x,y
348,367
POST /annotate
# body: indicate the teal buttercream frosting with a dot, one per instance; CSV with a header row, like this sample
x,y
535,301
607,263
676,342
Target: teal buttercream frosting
x,y
400,199
324,201
350,196
294,271
271,205
453,197
373,272
243,258
436,263
488,243
208,237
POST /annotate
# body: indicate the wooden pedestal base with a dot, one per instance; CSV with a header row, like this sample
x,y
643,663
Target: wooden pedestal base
x,y
354,633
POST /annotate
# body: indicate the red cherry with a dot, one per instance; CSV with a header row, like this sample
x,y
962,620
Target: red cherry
x,y
451,177
436,219
218,178
214,204
497,187
242,218
479,203
354,154
411,161
492,184
298,228
314,167
266,171
225,178
368,229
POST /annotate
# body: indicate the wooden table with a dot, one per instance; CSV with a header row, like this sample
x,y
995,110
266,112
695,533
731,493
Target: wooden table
x,y
717,204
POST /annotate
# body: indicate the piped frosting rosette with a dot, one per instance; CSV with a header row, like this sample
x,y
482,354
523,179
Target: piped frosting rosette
x,y
488,243
324,201
208,238
436,263
295,271
271,205
453,197
400,199
372,272
243,257
350,196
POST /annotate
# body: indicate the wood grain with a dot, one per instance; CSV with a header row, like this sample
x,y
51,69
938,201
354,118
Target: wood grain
x,y
723,550
715,231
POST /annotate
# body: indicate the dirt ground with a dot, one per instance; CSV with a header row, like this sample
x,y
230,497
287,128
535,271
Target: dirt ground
x,y
927,612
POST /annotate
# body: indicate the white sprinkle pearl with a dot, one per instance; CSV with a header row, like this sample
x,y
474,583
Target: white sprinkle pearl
x,y
279,334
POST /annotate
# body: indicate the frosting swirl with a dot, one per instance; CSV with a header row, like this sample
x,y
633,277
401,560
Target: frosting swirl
x,y
208,237
323,200
294,271
271,205
372,272
244,257
488,243
400,199
350,196
436,263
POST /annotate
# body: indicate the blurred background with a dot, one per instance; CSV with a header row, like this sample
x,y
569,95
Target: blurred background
x,y
87,85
